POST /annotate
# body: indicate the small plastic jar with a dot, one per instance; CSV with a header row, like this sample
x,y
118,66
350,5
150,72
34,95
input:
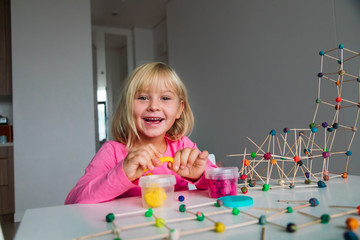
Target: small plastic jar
x,y
222,181
157,190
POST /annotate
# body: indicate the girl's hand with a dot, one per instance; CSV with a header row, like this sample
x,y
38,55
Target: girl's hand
x,y
189,163
140,158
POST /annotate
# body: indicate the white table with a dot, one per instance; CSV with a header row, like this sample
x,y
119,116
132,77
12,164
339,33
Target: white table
x,y
72,221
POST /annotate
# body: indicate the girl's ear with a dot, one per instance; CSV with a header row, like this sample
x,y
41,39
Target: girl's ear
x,y
180,110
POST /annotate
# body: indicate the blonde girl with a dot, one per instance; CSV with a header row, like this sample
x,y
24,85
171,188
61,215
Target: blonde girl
x,y
151,121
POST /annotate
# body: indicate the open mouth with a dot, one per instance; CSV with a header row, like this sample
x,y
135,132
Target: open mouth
x,y
153,120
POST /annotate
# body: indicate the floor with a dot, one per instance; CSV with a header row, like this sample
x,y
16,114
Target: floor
x,y
9,230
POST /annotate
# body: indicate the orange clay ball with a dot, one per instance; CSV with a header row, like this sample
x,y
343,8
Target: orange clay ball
x,y
273,161
296,158
352,224
344,175
337,83
338,99
246,162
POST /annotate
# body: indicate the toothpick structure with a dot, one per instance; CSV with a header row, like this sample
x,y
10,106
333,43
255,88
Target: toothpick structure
x,y
297,149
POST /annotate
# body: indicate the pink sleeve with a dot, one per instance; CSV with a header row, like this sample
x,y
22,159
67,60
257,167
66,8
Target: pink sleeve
x,y
202,183
104,177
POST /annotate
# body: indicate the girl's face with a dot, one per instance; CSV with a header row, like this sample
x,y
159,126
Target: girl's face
x,y
155,111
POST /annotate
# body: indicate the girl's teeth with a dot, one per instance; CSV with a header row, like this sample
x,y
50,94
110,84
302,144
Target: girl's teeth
x,y
153,119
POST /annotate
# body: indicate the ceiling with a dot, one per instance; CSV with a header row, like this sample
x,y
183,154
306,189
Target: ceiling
x,y
128,13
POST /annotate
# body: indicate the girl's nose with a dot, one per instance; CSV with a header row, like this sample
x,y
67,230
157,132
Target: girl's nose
x,y
154,105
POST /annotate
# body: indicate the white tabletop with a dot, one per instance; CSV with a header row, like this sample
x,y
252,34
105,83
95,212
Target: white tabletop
x,y
72,221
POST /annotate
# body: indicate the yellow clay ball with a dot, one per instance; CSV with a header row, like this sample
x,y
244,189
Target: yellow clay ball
x,y
219,227
159,222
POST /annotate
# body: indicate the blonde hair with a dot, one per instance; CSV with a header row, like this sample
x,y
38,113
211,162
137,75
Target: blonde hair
x,y
151,75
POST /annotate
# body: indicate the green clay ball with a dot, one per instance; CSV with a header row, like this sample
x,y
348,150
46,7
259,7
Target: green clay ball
x,y
266,187
262,220
182,208
149,213
289,209
253,154
110,217
325,218
235,211
200,216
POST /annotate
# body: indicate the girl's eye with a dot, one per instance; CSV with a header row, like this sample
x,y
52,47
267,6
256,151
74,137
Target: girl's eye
x,y
165,98
142,98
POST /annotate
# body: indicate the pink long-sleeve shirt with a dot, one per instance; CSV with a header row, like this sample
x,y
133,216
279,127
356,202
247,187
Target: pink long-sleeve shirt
x,y
105,179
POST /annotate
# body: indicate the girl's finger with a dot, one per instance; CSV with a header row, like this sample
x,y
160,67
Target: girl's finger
x,y
185,153
204,155
153,155
194,154
176,162
145,163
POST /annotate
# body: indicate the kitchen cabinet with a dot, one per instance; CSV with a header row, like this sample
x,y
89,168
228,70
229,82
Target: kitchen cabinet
x,y
7,199
5,49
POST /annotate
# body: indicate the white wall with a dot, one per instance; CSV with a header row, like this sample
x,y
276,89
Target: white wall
x,y
160,42
251,66
143,46
53,104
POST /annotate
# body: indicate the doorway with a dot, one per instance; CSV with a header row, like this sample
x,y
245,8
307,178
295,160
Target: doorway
x,y
114,60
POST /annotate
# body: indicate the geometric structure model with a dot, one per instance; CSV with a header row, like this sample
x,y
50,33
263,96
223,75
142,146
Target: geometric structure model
x,y
308,152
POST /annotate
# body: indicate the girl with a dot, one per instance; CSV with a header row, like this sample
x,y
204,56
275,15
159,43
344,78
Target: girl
x,y
151,121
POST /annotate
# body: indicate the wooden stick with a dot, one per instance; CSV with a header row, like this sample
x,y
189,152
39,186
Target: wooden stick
x,y
263,233
259,148
130,213
277,214
308,224
292,201
344,213
346,49
337,206
302,206
137,225
306,214
242,224
331,50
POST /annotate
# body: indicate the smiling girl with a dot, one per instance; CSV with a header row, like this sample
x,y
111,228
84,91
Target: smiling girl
x,y
150,122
